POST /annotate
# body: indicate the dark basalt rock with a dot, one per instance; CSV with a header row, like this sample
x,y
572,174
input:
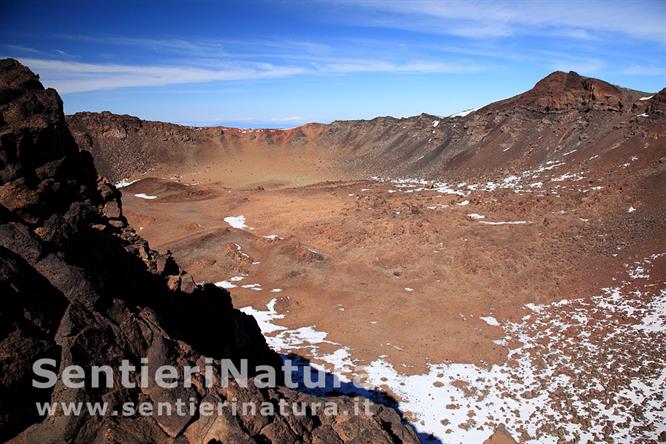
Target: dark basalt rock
x,y
80,286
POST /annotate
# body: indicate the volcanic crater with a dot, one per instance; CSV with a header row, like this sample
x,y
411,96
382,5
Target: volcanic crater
x,y
500,269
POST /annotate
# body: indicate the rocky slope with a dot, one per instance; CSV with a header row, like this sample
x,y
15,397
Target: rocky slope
x,y
150,143
562,113
81,287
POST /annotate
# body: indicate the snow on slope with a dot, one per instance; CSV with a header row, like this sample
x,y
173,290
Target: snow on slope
x,y
587,371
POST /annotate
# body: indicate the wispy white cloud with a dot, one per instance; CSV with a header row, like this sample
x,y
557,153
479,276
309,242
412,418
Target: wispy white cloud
x,y
156,43
483,19
642,70
338,55
76,77
210,47
71,77
21,48
561,61
409,67
586,67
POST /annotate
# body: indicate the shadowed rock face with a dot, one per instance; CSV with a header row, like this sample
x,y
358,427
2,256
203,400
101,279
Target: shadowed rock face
x,y
81,287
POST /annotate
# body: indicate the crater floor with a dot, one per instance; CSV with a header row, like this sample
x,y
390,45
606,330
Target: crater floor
x,y
535,300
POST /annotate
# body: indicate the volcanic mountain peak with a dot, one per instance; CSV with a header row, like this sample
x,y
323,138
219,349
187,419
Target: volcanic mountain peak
x,y
561,91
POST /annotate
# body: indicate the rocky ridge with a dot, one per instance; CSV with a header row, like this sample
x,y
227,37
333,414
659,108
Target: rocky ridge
x,y
564,112
81,287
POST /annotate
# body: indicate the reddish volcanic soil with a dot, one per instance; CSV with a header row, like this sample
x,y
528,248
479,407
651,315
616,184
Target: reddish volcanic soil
x,y
346,251
552,210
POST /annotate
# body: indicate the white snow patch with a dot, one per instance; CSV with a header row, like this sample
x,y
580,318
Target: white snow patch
x,y
534,307
239,249
512,222
236,222
340,359
229,283
490,320
563,177
465,112
124,183
145,196
225,284
265,318
254,287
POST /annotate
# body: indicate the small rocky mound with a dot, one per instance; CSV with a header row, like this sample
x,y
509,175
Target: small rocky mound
x,y
81,287
562,91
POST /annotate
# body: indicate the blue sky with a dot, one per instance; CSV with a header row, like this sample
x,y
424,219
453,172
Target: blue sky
x,y
282,63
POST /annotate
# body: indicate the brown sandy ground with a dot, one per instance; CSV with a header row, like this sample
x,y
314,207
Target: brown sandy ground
x,y
344,254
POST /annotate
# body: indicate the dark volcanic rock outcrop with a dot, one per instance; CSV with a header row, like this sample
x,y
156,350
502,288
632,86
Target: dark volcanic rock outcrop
x,y
562,91
81,287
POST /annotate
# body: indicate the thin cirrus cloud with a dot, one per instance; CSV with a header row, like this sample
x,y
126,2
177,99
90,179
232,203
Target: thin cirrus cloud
x,y
218,46
410,67
641,70
22,48
73,77
567,62
76,77
588,19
